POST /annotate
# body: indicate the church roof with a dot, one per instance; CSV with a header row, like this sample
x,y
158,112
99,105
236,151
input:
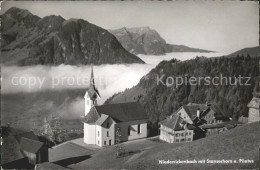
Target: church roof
x,y
121,112
102,119
92,116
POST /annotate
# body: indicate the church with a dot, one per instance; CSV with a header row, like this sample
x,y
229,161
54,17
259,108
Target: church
x,y
110,124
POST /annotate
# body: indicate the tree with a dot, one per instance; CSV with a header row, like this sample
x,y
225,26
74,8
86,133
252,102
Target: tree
x,y
119,149
52,129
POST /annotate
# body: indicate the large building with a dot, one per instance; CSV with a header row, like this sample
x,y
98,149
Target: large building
x,y
175,129
109,124
192,121
253,115
199,114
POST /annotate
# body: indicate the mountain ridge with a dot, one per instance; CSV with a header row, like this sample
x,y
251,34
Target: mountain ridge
x,y
52,40
144,40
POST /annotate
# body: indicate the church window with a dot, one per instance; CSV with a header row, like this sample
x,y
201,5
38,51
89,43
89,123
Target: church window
x,y
138,128
129,130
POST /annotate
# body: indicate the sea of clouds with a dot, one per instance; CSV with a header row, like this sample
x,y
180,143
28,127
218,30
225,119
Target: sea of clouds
x,y
109,79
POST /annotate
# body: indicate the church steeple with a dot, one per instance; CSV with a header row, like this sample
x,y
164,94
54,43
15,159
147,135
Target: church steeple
x,y
92,91
91,94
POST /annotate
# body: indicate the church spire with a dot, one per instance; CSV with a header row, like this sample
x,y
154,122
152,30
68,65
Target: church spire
x,y
92,91
92,82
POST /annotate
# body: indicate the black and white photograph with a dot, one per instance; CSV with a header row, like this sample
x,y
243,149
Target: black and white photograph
x,y
130,85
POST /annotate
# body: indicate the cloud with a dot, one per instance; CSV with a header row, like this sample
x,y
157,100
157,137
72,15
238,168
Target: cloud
x,y
109,79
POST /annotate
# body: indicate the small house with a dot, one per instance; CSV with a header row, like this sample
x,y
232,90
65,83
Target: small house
x,y
35,151
253,115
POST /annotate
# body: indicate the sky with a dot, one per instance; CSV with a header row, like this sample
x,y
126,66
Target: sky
x,y
222,26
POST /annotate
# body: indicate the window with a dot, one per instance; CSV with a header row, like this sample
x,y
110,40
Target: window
x,y
189,133
98,133
182,140
129,130
189,139
177,134
182,134
177,140
105,142
138,129
107,133
186,133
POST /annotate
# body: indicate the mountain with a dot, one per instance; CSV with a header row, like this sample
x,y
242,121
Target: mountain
x,y
161,100
183,48
28,40
252,51
144,40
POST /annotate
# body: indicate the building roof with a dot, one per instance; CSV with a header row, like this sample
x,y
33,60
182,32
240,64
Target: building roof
x,y
28,135
218,112
192,108
121,112
92,116
254,103
175,122
102,119
219,125
30,145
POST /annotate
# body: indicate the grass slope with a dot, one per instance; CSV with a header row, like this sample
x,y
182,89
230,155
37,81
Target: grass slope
x,y
239,143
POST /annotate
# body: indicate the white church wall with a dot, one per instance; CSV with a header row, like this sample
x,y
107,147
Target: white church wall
x,y
89,134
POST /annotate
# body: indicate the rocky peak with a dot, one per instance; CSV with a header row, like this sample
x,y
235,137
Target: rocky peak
x,y
52,22
21,16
